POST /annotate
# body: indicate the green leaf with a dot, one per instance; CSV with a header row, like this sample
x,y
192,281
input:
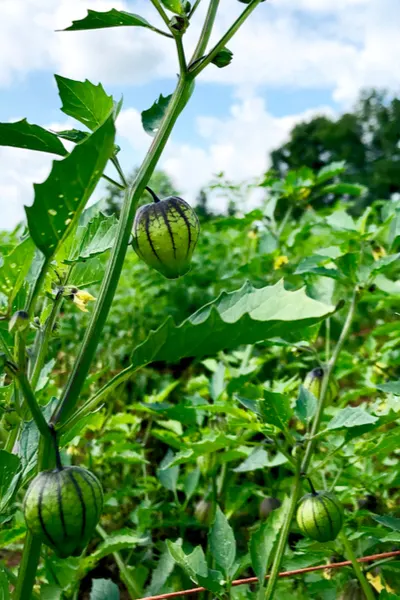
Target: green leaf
x,y
263,540
168,476
93,239
340,219
330,171
259,459
84,101
351,417
384,595
161,573
152,117
14,268
275,409
195,566
191,482
175,6
73,135
114,543
306,405
387,521
59,201
345,189
222,542
22,134
392,387
4,585
112,18
10,474
104,589
245,316
50,592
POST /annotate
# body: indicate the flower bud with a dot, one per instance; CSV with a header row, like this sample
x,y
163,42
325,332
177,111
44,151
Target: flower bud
x,y
223,58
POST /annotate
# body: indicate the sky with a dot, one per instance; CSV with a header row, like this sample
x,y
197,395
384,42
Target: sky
x,y
292,59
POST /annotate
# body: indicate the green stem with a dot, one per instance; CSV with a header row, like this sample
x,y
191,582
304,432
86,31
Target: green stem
x,y
45,339
181,54
35,290
272,582
93,332
284,221
369,594
193,9
31,553
224,40
280,550
134,591
30,399
161,11
111,180
98,397
206,31
120,172
11,439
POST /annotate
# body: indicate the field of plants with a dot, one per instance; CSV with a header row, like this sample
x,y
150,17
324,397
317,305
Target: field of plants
x,y
195,404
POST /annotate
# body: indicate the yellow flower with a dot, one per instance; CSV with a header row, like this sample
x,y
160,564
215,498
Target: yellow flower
x,y
280,261
81,298
378,252
376,582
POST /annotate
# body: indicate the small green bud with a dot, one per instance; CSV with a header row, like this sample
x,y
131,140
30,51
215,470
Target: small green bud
x,y
320,516
179,24
313,383
18,322
203,512
223,58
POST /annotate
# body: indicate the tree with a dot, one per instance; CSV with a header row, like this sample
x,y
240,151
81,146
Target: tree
x,y
368,139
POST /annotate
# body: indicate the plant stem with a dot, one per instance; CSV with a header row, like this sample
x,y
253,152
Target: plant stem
x,y
272,582
206,30
181,54
111,180
327,339
225,39
31,553
369,594
35,290
194,8
98,397
93,332
30,399
285,219
120,172
161,11
44,342
134,591
280,550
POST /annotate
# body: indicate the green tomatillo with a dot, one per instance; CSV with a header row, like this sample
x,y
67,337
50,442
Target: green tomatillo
x,y
165,234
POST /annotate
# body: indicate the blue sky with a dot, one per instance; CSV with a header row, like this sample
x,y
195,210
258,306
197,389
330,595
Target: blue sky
x,y
292,59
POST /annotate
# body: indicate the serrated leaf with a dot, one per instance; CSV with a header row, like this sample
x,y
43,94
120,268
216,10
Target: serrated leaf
x,y
263,540
222,542
10,474
258,459
387,521
93,239
245,316
112,18
104,589
84,101
306,405
114,543
60,200
351,417
152,117
161,573
392,387
14,268
22,134
275,409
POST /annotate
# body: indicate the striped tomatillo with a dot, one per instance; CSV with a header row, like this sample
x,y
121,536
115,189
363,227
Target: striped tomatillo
x,y
165,234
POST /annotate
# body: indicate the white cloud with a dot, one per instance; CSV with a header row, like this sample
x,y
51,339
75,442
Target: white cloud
x,y
238,145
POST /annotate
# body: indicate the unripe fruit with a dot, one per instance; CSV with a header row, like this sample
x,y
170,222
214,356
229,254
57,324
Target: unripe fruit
x,y
223,58
203,512
63,507
313,383
320,516
165,234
